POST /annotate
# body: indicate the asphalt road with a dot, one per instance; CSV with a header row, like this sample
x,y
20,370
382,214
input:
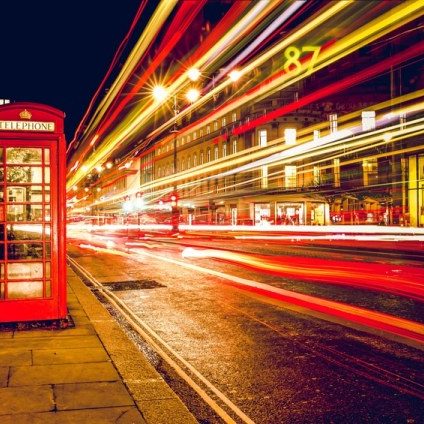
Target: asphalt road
x,y
275,364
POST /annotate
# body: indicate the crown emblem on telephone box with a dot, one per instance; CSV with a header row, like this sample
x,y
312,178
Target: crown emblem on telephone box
x,y
25,114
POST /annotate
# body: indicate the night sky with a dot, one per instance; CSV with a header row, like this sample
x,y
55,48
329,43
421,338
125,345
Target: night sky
x,y
57,52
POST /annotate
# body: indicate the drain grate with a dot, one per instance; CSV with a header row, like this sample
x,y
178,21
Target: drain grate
x,y
133,285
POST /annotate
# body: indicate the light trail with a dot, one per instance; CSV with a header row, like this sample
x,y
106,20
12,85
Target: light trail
x,y
409,331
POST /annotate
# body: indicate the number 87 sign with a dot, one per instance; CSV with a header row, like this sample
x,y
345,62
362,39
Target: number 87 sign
x,y
292,55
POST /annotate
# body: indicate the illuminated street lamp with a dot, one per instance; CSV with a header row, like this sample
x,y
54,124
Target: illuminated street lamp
x,y
193,74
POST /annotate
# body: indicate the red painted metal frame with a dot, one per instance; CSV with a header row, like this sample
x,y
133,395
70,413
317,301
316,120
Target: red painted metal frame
x,y
54,307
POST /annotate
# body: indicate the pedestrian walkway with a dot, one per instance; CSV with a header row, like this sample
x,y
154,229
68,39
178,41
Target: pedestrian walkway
x,y
91,373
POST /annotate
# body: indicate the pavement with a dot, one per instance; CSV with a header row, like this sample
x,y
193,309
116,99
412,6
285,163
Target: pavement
x,y
90,373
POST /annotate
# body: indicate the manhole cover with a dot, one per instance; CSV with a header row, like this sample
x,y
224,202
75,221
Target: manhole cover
x,y
133,285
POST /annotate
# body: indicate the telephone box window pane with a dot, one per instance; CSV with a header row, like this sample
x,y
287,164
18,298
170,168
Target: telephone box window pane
x,y
1,213
47,269
1,232
1,155
47,194
1,251
24,232
48,251
24,212
47,213
24,251
1,194
24,174
47,156
25,290
47,231
47,175
48,289
25,270
23,155
31,194
1,173
1,291
2,271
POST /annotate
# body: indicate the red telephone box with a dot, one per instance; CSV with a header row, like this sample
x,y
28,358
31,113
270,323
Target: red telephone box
x,y
32,213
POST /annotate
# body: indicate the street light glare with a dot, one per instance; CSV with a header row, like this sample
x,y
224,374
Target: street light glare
x,y
192,95
193,74
234,75
160,93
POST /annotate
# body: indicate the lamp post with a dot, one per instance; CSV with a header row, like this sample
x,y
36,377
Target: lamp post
x,y
175,212
160,94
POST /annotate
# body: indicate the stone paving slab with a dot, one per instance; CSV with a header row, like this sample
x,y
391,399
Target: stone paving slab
x,y
48,342
38,399
91,395
10,357
69,356
62,373
4,376
120,415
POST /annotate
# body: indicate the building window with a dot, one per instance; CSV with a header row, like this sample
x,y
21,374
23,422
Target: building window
x,y
224,149
182,141
202,159
370,171
208,155
234,149
195,160
263,138
216,153
224,121
188,139
336,170
264,177
208,129
333,122
234,117
290,172
194,135
368,120
290,135
215,126
201,133
316,176
189,162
